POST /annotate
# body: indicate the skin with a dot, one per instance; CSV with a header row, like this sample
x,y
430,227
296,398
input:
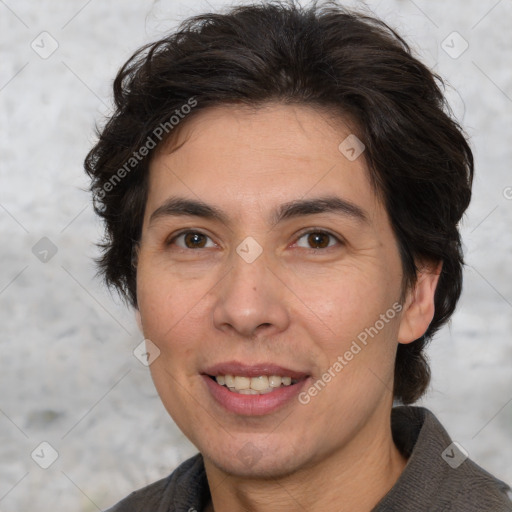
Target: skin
x,y
297,305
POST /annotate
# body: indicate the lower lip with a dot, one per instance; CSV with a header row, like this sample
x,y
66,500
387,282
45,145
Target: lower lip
x,y
253,405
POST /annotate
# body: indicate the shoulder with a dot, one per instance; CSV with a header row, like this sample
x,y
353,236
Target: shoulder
x,y
142,499
439,476
184,488
476,489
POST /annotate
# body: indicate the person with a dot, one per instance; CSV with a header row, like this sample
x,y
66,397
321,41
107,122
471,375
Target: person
x,y
281,187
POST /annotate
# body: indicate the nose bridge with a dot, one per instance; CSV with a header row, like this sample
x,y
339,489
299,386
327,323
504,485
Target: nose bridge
x,y
250,295
248,280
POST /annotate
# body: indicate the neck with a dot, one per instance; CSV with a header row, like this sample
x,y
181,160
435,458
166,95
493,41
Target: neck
x,y
353,478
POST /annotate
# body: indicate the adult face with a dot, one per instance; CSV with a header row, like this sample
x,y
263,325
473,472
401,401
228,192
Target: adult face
x,y
217,307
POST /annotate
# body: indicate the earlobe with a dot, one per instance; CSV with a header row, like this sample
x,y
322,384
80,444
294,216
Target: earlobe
x,y
419,306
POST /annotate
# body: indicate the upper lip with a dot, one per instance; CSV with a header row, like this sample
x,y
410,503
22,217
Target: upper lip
x,y
252,370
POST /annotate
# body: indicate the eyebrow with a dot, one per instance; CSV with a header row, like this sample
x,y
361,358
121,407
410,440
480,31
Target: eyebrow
x,y
178,206
329,204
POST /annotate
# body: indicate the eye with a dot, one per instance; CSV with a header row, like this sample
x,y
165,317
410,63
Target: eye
x,y
318,240
190,240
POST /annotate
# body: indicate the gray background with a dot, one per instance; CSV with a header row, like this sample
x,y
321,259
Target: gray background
x,y
68,375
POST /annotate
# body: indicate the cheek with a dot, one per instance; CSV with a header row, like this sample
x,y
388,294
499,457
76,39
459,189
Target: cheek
x,y
166,301
345,302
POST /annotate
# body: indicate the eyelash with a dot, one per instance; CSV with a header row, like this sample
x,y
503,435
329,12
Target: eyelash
x,y
171,240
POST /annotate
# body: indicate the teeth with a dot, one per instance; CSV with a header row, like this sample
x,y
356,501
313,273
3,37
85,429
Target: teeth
x,y
255,385
259,383
242,383
274,381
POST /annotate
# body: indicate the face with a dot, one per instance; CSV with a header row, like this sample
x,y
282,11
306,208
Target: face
x,y
265,253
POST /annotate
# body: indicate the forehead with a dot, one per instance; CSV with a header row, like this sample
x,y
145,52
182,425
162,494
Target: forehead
x,y
245,158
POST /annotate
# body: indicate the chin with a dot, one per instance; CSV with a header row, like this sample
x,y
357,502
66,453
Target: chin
x,y
249,460
269,470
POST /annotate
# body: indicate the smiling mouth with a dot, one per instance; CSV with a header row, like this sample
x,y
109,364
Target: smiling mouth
x,y
259,385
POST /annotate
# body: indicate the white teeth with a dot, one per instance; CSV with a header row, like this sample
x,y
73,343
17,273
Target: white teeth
x,y
274,381
259,383
255,385
242,382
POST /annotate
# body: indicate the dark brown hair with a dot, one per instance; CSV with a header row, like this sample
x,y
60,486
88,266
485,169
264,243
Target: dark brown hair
x,y
324,56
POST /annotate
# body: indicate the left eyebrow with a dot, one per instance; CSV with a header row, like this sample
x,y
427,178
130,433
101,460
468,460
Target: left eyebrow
x,y
329,204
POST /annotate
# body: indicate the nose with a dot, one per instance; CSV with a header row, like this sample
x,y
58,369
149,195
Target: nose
x,y
251,300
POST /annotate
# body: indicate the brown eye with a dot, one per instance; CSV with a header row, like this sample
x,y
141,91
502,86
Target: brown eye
x,y
318,240
190,240
194,240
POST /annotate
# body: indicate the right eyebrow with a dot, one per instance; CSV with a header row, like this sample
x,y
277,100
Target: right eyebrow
x,y
177,206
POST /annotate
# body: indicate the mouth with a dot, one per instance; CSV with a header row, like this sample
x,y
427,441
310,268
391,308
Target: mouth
x,y
253,389
260,385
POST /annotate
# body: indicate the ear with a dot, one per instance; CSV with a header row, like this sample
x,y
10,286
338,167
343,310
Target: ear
x,y
419,307
139,320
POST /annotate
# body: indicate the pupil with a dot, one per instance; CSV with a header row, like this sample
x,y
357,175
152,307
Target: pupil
x,y
315,239
195,240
